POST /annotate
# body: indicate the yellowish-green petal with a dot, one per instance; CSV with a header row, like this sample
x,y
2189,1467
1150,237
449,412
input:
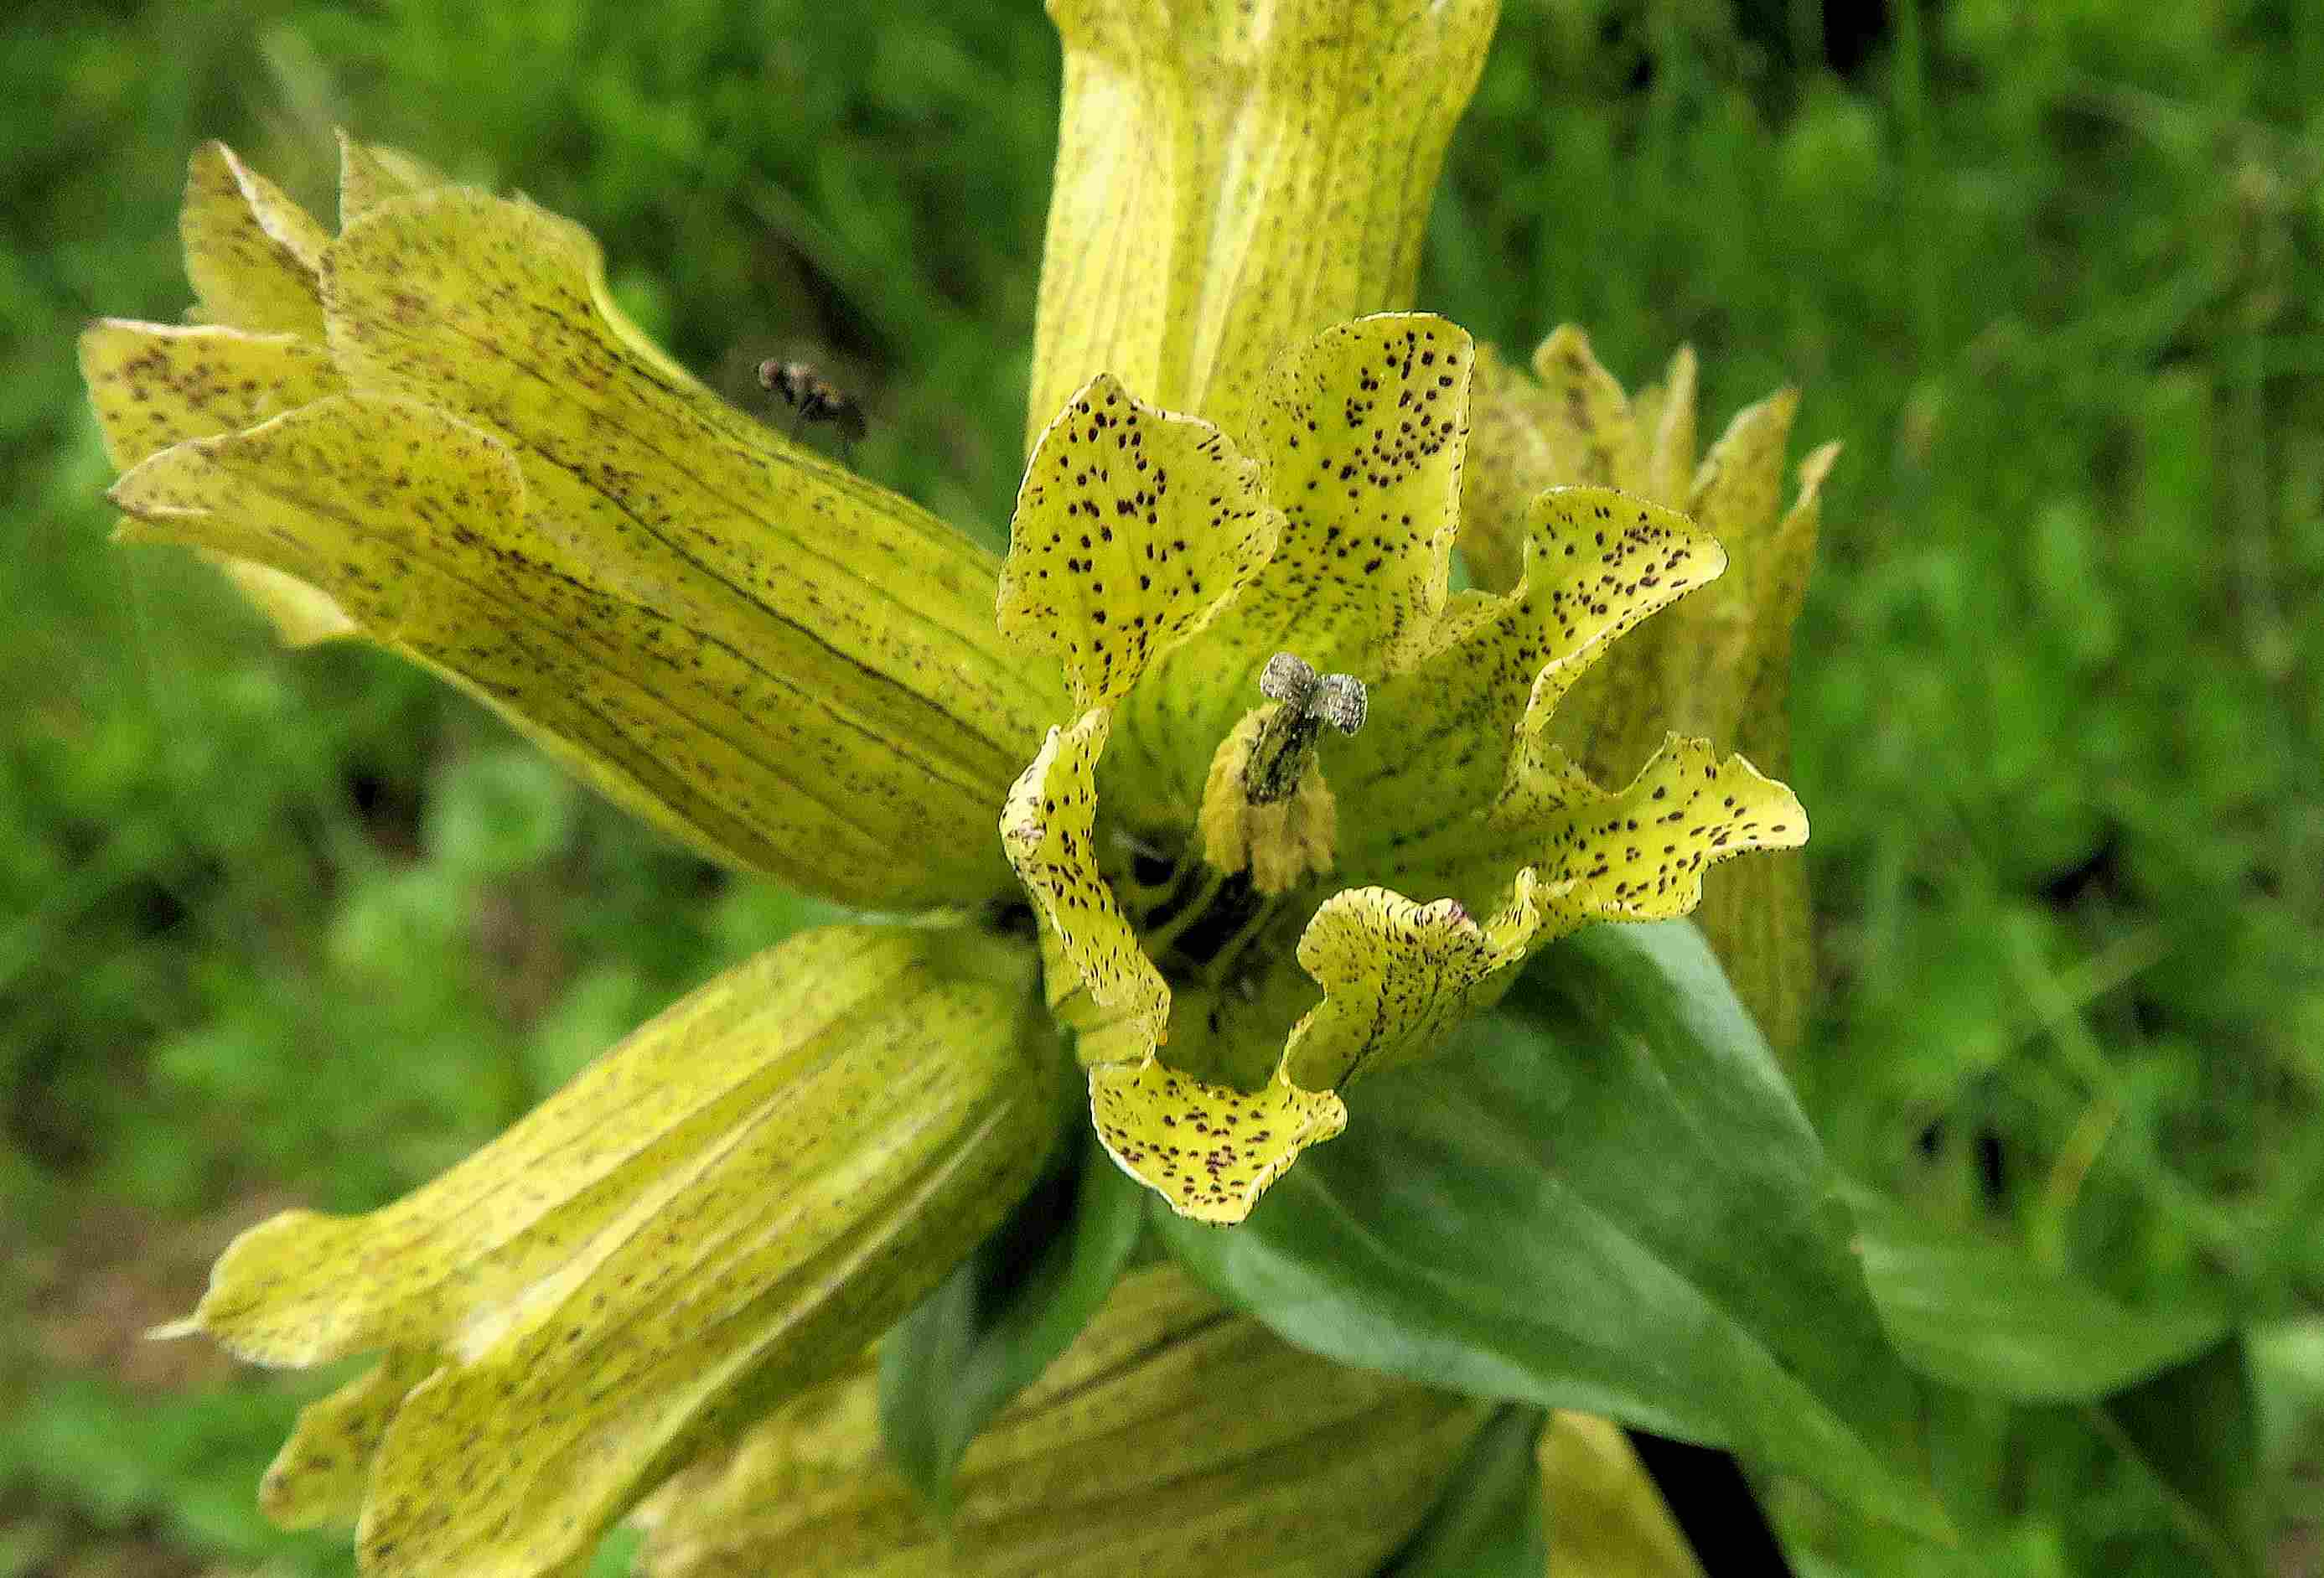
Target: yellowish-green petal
x,y
875,616
320,1475
1437,743
253,256
1174,1439
1590,419
1605,1517
1510,459
1048,826
1667,411
1638,853
1233,178
1740,482
1398,975
1572,425
1134,526
1361,430
1757,914
1209,1150
370,175
716,1215
156,384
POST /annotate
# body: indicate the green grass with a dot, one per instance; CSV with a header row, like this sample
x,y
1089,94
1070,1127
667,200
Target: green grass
x,y
307,927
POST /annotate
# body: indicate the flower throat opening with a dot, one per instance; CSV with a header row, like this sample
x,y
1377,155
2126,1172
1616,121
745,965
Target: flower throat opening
x,y
1198,922
1202,908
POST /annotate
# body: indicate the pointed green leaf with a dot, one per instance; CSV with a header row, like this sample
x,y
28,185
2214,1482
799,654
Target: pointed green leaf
x,y
1603,1197
994,1325
2194,1429
1983,1317
1488,1524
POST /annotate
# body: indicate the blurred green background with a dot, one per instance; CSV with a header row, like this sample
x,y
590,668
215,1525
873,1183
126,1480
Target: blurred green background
x,y
286,928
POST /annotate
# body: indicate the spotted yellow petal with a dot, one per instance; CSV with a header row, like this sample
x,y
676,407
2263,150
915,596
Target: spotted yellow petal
x,y
322,1471
874,615
1640,852
253,256
1048,826
1397,976
1361,430
1233,178
423,528
720,1212
370,175
154,384
1720,665
1134,526
1589,419
1436,742
1209,1150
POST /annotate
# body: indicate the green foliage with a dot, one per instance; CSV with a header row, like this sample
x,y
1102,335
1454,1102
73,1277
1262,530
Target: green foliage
x,y
1985,1318
1490,1523
1601,1198
305,925
993,1326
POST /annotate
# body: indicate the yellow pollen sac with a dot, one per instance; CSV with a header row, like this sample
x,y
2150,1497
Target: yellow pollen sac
x,y
1266,807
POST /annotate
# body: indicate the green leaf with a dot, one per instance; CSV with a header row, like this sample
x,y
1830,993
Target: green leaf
x,y
1980,1316
1489,1522
1601,1197
1003,1314
2194,1429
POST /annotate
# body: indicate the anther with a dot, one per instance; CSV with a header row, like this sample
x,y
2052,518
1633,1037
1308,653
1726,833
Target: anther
x,y
1287,740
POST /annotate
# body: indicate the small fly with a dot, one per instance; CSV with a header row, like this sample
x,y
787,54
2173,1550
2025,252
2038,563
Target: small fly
x,y
813,397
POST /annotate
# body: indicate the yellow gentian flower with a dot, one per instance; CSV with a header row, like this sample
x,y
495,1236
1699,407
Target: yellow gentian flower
x,y
1293,808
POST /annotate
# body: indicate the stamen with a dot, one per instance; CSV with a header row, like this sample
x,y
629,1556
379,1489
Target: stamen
x,y
1286,742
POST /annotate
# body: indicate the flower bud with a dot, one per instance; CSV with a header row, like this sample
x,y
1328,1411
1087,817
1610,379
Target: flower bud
x,y
718,1212
434,431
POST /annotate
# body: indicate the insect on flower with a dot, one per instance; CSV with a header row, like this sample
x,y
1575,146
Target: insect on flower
x,y
815,398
